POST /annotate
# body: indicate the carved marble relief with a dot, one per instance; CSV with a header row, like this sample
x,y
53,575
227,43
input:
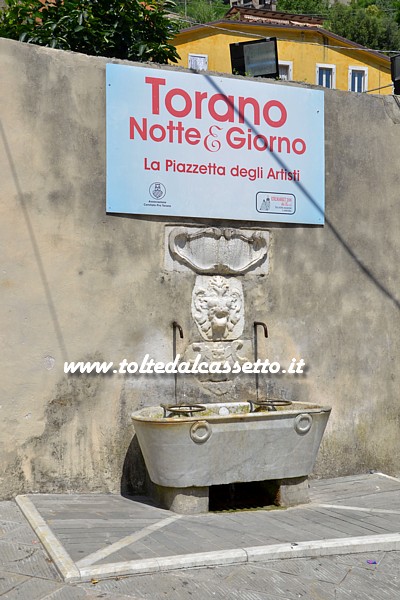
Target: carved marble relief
x,y
218,251
217,307
220,257
236,352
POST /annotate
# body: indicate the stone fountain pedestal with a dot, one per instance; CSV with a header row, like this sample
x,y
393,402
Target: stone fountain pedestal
x,y
195,500
185,501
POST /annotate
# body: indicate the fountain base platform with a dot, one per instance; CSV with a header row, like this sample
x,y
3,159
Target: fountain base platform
x,y
195,500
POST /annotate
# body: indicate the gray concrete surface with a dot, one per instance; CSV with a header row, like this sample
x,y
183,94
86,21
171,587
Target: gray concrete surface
x,y
27,573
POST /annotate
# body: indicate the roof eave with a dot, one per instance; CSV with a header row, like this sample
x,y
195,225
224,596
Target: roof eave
x,y
228,24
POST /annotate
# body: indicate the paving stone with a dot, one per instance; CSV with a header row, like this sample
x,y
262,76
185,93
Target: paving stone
x,y
97,595
87,523
6,527
68,593
31,589
22,534
9,580
389,563
236,582
278,584
164,586
360,560
361,585
309,569
77,593
355,487
329,578
13,553
323,571
9,511
26,560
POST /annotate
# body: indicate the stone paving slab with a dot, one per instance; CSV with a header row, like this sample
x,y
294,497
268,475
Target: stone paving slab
x,y
332,578
336,577
98,535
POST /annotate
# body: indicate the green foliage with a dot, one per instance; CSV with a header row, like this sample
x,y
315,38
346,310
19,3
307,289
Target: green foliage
x,y
127,29
201,11
306,7
204,11
368,26
371,23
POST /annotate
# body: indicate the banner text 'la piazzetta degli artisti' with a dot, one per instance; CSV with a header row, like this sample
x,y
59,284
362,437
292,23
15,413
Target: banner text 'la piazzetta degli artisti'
x,y
194,145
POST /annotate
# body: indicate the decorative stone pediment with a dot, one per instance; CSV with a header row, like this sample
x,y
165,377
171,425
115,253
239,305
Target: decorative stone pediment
x,y
218,251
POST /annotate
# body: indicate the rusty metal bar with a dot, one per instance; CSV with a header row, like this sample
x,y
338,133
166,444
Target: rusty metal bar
x,y
255,325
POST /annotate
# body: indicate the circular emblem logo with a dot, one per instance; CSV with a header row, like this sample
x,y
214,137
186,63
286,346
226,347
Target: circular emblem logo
x,y
157,190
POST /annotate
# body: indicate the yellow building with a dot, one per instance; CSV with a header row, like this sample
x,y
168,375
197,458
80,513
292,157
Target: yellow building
x,y
307,52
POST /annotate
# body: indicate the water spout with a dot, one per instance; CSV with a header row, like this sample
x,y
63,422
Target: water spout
x,y
255,325
175,326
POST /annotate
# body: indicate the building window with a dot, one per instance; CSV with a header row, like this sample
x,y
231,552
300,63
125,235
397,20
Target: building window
x,y
286,70
326,76
358,79
198,62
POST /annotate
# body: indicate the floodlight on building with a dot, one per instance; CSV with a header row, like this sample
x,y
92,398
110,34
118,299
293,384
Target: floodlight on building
x,y
395,70
258,58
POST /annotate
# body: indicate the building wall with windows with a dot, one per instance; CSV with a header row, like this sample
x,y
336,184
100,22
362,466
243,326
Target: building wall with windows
x,y
310,55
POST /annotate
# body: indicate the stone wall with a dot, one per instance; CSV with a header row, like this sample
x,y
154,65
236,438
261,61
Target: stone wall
x,y
78,284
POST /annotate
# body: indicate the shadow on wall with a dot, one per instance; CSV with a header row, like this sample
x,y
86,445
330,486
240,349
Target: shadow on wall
x,y
134,479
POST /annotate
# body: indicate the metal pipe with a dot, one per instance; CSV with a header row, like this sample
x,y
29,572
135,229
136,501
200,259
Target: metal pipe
x,y
175,326
255,325
263,325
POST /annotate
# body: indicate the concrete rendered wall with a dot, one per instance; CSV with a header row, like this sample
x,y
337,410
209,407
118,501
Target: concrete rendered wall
x,y
78,284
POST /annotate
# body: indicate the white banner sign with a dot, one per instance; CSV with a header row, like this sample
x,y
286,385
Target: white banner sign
x,y
193,145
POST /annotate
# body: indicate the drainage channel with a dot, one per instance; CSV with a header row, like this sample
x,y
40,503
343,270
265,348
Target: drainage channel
x,y
255,495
